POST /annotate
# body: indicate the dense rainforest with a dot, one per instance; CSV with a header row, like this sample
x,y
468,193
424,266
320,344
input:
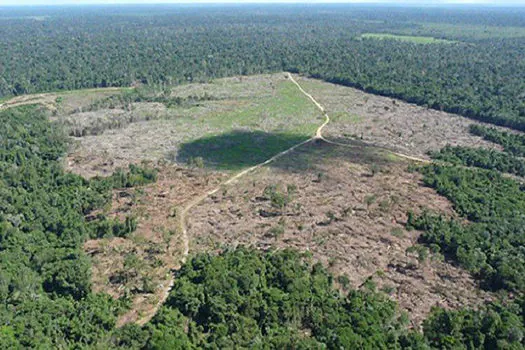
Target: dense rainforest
x,y
479,72
240,298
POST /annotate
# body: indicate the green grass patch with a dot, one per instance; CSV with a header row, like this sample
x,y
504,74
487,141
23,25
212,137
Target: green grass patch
x,y
255,132
392,157
287,111
407,38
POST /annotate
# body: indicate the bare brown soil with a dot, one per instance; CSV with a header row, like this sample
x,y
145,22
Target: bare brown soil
x,y
139,267
348,207
390,123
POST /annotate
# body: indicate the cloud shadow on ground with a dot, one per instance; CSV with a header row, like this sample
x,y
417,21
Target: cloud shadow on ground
x,y
240,149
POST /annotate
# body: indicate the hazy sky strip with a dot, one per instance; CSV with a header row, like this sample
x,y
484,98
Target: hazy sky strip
x,y
414,2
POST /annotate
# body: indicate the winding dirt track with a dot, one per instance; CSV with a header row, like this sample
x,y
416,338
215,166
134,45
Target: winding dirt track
x,y
184,212
319,133
46,99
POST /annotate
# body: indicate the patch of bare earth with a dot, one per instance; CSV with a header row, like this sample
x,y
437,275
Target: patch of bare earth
x,y
139,267
390,123
348,206
150,131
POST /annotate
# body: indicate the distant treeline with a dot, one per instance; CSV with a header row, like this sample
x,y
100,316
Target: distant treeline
x,y
481,77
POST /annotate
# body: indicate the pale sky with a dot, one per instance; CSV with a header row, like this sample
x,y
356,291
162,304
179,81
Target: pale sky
x,y
412,2
415,2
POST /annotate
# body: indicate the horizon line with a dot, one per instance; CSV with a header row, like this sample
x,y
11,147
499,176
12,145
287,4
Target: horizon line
x,y
284,2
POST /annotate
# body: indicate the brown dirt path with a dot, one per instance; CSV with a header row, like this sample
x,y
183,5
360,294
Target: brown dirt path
x,y
319,133
48,100
184,212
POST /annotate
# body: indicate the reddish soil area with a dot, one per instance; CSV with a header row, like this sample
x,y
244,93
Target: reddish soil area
x,y
138,267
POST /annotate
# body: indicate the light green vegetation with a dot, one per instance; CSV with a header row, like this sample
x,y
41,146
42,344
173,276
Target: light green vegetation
x,y
283,112
407,38
340,103
81,92
345,117
392,157
255,132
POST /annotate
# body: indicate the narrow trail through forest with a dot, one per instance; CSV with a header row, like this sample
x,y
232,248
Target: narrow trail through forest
x,y
184,212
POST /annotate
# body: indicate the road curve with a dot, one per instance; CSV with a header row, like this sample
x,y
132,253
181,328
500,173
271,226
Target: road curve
x,y
319,133
185,210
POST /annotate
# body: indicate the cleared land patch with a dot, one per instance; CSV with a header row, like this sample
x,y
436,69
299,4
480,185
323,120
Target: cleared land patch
x,y
390,123
348,206
407,38
243,122
138,267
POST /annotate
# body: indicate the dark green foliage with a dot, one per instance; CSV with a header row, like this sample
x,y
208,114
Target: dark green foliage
x,y
481,158
491,251
244,298
278,300
103,227
491,246
278,199
512,142
494,327
480,76
44,274
135,176
479,195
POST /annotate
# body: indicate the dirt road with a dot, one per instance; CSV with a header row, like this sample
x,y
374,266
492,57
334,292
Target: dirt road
x,y
48,100
184,212
319,133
